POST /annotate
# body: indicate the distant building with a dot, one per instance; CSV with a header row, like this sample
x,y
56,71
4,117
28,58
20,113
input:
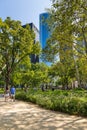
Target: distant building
x,y
36,31
34,58
44,31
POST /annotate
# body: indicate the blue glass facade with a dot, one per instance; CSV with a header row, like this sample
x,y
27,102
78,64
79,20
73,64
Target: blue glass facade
x,y
44,31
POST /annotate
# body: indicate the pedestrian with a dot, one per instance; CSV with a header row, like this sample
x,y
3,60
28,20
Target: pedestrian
x,y
6,94
12,92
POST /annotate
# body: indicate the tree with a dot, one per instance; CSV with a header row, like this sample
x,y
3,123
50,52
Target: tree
x,y
40,74
62,73
68,24
34,75
16,44
19,77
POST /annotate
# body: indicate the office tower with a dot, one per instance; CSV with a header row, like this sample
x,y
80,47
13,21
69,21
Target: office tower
x,y
36,31
44,30
34,57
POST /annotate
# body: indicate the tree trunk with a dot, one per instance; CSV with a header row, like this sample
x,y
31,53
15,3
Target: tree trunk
x,y
7,76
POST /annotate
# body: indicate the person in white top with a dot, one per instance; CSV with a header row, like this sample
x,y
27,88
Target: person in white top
x,y
7,94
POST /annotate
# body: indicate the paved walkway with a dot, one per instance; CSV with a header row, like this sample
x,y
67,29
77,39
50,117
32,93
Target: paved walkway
x,y
26,116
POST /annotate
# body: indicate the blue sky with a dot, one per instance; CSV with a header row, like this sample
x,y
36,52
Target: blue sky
x,y
24,10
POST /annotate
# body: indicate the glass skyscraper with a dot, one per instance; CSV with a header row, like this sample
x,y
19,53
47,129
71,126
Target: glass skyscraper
x,y
44,30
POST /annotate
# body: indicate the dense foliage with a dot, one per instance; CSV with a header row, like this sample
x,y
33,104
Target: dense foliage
x,y
67,46
16,46
71,102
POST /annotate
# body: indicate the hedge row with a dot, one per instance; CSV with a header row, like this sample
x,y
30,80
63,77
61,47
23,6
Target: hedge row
x,y
63,101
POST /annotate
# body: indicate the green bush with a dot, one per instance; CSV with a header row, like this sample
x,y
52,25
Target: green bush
x,y
1,90
82,110
64,101
73,105
21,96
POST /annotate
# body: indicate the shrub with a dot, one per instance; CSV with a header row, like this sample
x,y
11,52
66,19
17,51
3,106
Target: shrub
x,y
64,101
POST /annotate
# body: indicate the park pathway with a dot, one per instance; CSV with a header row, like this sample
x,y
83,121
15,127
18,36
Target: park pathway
x,y
19,115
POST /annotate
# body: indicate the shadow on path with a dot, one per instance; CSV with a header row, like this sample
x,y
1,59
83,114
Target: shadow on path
x,y
24,116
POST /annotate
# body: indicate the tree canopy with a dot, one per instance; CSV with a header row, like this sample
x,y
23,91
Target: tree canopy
x,y
16,45
68,41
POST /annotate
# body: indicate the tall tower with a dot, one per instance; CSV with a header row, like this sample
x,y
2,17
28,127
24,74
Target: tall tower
x,y
44,30
34,58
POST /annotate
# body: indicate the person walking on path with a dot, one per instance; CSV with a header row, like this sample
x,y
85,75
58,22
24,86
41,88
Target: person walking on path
x,y
12,92
6,95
